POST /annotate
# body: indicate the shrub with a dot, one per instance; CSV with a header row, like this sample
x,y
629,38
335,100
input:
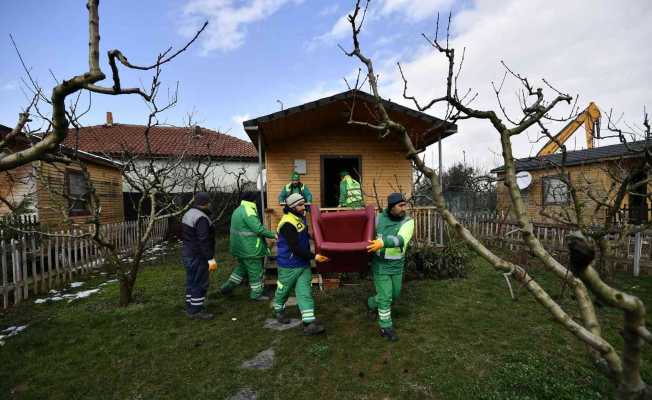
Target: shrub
x,y
428,261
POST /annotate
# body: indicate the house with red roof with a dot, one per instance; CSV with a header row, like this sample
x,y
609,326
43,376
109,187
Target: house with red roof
x,y
233,162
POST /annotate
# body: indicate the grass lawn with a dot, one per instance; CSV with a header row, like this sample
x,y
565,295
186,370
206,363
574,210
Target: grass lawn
x,y
459,339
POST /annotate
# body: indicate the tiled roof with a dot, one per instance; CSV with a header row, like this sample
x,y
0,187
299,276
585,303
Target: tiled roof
x,y
579,157
164,140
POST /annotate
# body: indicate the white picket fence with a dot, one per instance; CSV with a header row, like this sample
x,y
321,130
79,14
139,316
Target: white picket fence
x,y
635,255
33,263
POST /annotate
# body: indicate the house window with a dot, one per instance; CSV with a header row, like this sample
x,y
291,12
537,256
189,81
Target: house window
x,y
555,191
78,193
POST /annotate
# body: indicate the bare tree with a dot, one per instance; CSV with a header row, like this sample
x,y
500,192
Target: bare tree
x,y
58,119
603,209
623,369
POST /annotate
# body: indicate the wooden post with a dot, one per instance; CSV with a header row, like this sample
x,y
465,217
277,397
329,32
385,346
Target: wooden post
x,y
42,257
69,260
637,252
49,263
23,261
55,254
15,264
5,283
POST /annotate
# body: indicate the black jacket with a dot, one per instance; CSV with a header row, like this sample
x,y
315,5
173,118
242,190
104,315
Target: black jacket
x,y
198,234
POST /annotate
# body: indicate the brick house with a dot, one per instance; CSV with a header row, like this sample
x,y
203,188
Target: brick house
x,y
315,140
591,172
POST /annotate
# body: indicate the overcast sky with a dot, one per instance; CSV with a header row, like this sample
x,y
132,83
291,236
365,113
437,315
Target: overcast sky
x,y
256,52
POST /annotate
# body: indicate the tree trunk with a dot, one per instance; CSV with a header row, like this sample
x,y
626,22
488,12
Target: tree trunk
x,y
126,290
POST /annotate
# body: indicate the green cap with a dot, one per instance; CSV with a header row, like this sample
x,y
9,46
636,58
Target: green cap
x,y
295,176
344,172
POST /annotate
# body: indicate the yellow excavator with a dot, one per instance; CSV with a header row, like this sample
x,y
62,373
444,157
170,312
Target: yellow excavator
x,y
590,118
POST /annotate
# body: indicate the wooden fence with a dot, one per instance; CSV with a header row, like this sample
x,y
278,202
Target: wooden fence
x,y
496,230
33,263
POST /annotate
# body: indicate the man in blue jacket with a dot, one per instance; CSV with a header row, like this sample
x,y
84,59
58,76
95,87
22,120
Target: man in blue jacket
x,y
293,261
197,255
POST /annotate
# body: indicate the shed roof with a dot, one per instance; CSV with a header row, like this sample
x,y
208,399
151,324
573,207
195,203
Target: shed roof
x,y
334,111
579,157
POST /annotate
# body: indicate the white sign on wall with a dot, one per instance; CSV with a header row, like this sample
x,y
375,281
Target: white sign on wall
x,y
300,166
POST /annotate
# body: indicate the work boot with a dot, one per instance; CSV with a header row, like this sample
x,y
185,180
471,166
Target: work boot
x,y
226,290
372,314
200,315
313,328
389,334
282,318
262,297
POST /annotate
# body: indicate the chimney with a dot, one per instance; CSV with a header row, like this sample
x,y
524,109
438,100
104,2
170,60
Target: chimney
x,y
109,118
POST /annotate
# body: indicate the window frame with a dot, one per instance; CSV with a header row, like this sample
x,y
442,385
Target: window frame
x,y
545,185
76,212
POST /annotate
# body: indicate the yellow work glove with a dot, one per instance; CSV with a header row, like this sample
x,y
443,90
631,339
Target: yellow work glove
x,y
320,259
212,265
375,245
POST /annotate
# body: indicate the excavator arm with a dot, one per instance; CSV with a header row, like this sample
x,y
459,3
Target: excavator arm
x,y
590,118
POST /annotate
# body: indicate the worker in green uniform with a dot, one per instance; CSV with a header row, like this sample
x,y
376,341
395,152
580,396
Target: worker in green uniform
x,y
394,230
350,191
247,244
293,261
295,186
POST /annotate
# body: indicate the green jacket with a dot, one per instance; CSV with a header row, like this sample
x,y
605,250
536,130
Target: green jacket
x,y
247,233
350,193
396,236
288,190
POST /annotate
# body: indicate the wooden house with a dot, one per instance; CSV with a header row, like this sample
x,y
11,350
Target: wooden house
x,y
595,173
44,184
316,140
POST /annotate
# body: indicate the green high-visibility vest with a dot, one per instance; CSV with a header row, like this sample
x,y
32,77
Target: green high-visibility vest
x,y
396,236
350,193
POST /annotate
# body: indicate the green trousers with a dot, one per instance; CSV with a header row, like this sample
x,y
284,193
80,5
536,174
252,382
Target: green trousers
x,y
251,268
388,288
300,280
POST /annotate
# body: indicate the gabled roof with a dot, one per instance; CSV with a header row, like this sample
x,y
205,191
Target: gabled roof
x,y
579,157
424,129
165,141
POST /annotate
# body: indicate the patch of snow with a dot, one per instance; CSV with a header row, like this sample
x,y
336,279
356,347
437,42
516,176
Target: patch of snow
x,y
12,331
76,284
80,295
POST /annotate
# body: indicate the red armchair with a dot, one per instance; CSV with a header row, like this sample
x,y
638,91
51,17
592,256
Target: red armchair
x,y
343,237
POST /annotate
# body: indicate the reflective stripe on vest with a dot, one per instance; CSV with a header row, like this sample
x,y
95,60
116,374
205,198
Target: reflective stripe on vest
x,y
405,230
243,233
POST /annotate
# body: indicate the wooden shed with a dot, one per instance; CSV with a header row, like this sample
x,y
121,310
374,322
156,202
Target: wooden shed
x,y
316,140
44,182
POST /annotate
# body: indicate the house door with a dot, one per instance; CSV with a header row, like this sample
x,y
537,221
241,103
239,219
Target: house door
x,y
331,166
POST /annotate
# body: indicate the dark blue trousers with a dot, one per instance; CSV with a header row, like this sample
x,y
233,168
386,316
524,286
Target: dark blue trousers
x,y
196,283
